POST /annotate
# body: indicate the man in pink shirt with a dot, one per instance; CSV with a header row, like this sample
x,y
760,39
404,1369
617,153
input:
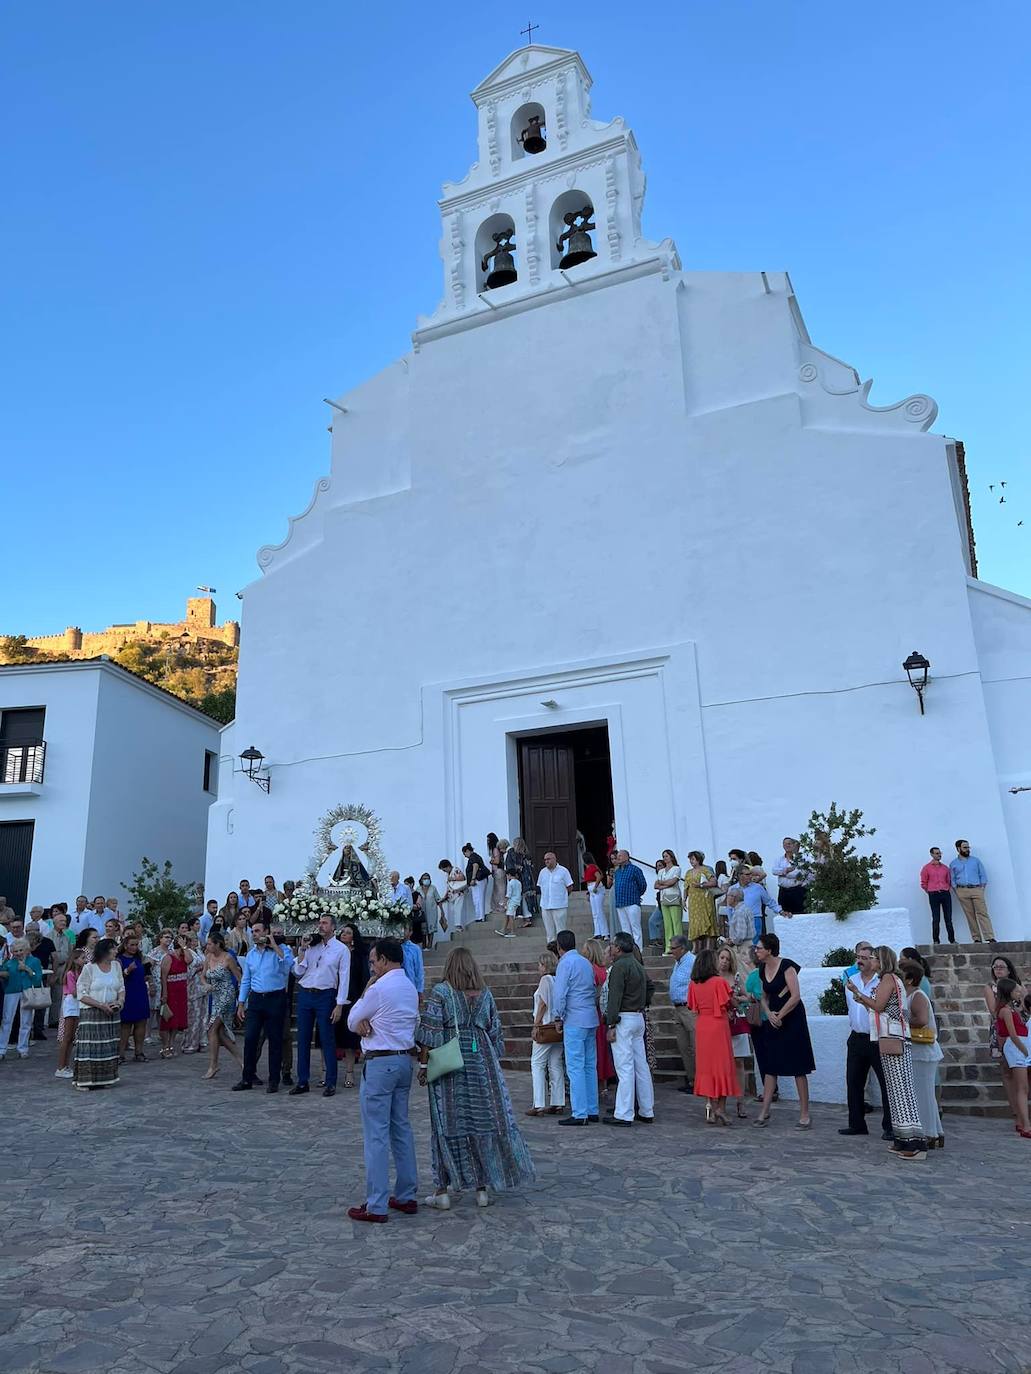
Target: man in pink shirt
x,y
936,880
385,1017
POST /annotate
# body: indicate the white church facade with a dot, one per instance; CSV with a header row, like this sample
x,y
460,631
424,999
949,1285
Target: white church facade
x,y
669,581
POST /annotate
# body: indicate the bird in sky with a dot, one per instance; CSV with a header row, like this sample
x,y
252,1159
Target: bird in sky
x,y
1002,500
1002,484
991,486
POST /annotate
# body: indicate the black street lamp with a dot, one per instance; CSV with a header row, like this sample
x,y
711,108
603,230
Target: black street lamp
x,y
916,667
252,759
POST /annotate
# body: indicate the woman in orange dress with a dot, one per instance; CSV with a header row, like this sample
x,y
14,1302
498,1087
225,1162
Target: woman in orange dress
x,y
715,1077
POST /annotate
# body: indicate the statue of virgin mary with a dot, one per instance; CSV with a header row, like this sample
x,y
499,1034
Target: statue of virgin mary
x,y
351,872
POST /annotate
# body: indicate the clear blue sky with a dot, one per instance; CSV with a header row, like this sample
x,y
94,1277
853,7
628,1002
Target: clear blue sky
x,y
202,237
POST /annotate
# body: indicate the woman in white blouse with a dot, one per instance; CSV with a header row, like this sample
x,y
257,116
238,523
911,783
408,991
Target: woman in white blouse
x,y
101,995
547,1067
667,885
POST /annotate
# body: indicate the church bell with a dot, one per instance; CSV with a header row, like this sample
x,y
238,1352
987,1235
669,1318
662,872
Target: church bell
x,y
504,270
532,138
576,239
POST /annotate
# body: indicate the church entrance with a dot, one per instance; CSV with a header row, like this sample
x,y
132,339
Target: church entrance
x,y
565,786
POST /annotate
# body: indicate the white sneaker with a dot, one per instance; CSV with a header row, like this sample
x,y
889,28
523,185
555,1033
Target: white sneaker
x,y
482,1197
439,1200
63,1073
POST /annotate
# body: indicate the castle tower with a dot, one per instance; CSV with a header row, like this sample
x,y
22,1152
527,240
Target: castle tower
x,y
200,614
542,158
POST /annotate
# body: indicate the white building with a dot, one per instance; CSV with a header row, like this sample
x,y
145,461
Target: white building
x,y
98,769
616,540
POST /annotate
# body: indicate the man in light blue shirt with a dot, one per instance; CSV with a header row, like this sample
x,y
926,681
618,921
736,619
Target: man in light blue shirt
x,y
207,921
266,970
414,968
683,1019
575,1009
970,879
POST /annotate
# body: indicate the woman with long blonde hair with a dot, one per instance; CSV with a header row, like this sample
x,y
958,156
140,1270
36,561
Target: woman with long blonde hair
x,y
475,1142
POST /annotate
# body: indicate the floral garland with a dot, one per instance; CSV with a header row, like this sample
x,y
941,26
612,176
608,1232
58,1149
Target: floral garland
x,y
371,914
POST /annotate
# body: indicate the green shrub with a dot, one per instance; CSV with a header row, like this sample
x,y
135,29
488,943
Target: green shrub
x,y
833,1001
842,880
841,957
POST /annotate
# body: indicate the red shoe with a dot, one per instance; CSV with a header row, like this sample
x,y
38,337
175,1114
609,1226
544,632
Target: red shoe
x,y
409,1208
1025,1134
362,1214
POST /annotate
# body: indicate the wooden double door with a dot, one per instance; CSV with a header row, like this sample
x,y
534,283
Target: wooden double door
x,y
547,791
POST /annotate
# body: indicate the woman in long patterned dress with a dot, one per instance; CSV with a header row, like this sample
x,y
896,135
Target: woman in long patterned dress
x,y
196,1000
701,902
222,977
475,1140
100,992
888,1022
174,1011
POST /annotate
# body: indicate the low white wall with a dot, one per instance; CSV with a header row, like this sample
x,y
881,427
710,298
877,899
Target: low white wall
x,y
806,939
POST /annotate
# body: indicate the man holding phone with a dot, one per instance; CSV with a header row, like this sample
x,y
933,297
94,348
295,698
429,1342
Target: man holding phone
x,y
266,970
323,974
862,1054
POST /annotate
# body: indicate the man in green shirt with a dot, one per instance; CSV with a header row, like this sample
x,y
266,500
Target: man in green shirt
x,y
630,990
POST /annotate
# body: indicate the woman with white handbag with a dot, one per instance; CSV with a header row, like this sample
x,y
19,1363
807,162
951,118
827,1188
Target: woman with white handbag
x,y
22,979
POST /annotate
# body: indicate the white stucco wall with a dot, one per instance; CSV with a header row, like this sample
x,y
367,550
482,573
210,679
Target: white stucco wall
x,y
401,670
123,779
641,493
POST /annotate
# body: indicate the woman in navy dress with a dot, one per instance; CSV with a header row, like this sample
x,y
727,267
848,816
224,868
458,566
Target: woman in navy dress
x,y
136,1011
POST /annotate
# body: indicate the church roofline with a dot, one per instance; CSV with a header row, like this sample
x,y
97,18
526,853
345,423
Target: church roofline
x,y
553,58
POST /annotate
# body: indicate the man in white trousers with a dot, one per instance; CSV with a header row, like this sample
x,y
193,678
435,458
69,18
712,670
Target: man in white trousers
x,y
555,883
630,991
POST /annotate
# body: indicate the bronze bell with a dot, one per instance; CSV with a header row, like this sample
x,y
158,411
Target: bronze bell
x,y
504,270
532,138
579,247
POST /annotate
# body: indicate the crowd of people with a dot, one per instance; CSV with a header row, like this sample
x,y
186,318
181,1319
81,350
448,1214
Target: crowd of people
x,y
228,980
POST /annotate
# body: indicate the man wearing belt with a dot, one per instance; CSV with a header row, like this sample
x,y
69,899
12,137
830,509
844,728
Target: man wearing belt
x,y
683,1020
863,1054
266,970
969,879
385,1016
323,974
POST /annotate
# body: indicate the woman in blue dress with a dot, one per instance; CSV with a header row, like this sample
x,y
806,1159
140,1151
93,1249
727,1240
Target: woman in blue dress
x,y
475,1140
136,1011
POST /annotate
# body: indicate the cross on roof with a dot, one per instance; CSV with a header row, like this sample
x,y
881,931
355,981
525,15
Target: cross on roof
x,y
530,26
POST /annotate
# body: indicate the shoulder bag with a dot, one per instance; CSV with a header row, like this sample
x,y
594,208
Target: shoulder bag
x,y
892,1039
448,1059
35,999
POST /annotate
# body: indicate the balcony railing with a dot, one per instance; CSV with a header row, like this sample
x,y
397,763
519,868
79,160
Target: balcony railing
x,y
22,762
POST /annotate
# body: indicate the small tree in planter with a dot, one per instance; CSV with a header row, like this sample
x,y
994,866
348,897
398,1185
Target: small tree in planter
x,y
156,899
834,1001
840,957
842,880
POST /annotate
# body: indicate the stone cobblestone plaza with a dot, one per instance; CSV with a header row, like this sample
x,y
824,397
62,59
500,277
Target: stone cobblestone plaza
x,y
170,1225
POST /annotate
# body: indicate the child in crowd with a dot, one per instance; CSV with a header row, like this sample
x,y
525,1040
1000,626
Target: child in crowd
x,y
69,1015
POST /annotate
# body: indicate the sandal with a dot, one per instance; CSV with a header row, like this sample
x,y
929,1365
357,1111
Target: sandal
x,y
211,1073
139,1058
348,1080
742,1115
804,1125
535,1111
761,1121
